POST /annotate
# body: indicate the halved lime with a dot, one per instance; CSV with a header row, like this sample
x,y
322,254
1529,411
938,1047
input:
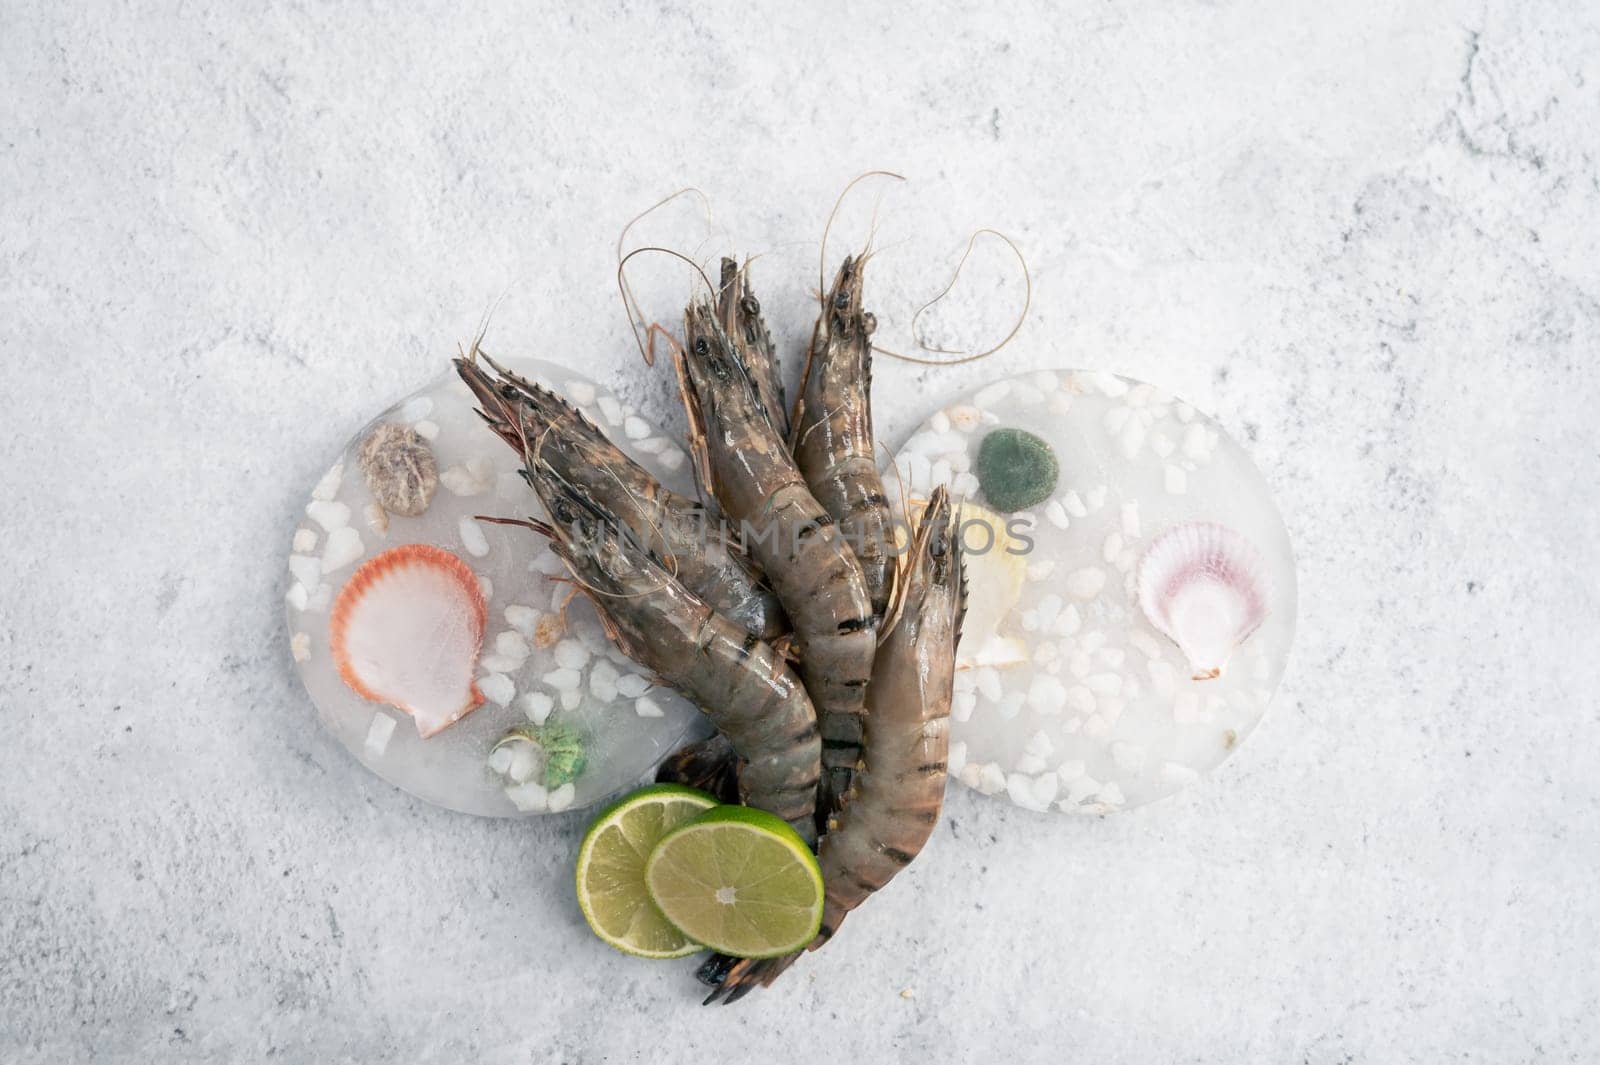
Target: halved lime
x,y
611,863
739,881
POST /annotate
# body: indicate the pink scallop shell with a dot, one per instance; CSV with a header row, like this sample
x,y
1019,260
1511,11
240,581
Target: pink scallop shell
x,y
1204,586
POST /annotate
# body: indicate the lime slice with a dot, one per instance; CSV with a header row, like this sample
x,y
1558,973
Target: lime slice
x,y
611,865
740,881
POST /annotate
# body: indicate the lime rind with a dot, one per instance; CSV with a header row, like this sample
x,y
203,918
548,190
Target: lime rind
x,y
609,878
777,886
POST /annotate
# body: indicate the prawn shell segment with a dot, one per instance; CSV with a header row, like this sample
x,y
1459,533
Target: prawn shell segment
x,y
407,629
1204,587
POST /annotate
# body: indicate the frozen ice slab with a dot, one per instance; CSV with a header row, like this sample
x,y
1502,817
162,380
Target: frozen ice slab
x,y
1067,698
542,667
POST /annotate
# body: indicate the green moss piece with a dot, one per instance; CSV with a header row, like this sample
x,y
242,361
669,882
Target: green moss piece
x,y
565,757
1016,470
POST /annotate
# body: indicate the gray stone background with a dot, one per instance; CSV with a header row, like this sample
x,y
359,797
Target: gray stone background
x,y
1363,234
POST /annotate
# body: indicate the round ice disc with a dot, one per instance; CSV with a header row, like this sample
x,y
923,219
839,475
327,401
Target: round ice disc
x,y
545,666
1068,696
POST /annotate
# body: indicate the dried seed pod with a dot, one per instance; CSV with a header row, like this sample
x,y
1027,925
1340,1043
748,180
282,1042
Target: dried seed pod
x,y
400,469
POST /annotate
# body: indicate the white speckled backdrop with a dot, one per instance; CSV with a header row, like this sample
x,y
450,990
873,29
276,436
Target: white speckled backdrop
x,y
1365,235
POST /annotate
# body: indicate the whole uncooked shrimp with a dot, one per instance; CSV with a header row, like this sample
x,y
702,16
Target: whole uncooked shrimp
x,y
735,678
795,541
900,789
687,540
832,435
742,321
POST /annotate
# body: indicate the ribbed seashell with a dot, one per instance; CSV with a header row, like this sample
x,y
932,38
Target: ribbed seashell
x,y
406,630
1204,587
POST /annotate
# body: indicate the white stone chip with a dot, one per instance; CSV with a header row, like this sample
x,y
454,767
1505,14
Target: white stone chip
x,y
1071,770
1030,764
1010,706
472,537
1073,503
571,699
499,760
571,654
645,706
1085,584
530,798
1161,444
1041,570
1131,439
672,458
603,679
1068,621
991,779
1081,788
1056,514
379,732
652,445
536,706
636,428
562,797
1080,700
512,644
632,685
377,518
497,688
300,643
487,587
427,430
469,479
525,762
988,680
320,598
1039,744
330,514
563,680
328,486
962,704
343,547
1111,548
305,540
305,569
610,410
1197,442
1104,683
495,663
522,618
956,759
1045,788
580,392
1047,695
964,417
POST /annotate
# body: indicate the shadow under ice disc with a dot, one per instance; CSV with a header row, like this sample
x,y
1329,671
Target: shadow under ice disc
x,y
1067,697
545,667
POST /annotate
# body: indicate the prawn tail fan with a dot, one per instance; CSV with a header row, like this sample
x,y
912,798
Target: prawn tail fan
x,y
733,978
709,765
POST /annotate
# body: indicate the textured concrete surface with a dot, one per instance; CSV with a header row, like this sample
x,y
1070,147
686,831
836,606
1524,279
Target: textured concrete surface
x,y
1363,234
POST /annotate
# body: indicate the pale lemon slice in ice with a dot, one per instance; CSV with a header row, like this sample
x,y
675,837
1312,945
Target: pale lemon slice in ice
x,y
996,564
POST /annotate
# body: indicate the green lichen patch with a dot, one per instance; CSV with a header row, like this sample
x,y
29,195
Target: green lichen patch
x,y
1016,470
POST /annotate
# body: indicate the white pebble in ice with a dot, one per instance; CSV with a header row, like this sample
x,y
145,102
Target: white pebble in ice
x,y
512,644
305,540
1046,694
1110,794
962,704
427,430
472,537
636,428
1086,583
525,759
1161,444
988,683
1039,744
1131,439
1019,787
956,759
1112,548
1073,503
500,663
330,514
645,706
1045,787
1197,442
1104,683
580,392
965,418
1057,514
497,688
1068,621
522,618
1010,706
536,706
300,643
328,487
991,779
530,797
343,548
1041,570
1029,763
1071,770
571,654
379,733
306,570
632,685
563,680
470,479
1080,700
562,797
603,681
652,445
